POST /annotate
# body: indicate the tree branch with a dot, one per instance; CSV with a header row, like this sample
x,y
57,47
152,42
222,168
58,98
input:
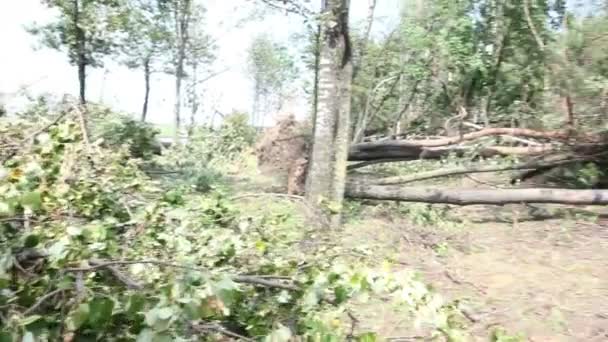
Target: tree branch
x,y
214,327
252,280
41,301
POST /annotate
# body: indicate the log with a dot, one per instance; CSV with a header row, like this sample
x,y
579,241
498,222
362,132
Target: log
x,y
404,150
482,196
468,169
561,135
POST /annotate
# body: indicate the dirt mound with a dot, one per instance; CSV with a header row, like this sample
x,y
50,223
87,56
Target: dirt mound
x,y
284,149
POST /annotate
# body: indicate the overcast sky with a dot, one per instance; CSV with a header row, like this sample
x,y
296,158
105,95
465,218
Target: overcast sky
x,y
24,62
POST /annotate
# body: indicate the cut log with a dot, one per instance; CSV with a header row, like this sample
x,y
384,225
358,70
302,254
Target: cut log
x,y
469,197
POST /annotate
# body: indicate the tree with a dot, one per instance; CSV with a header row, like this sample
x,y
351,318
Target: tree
x,y
271,68
181,17
146,40
84,31
199,57
327,169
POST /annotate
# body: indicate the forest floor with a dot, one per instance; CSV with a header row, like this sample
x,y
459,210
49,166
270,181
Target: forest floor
x,y
536,271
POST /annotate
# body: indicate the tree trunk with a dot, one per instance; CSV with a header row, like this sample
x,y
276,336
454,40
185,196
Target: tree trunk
x,y
194,99
469,197
462,170
326,179
561,135
315,100
395,149
81,53
182,20
144,111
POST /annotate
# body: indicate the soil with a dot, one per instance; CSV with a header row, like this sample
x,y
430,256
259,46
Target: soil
x,y
538,271
544,279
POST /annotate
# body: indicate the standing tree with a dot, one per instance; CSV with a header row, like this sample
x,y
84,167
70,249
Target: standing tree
x,y
199,57
145,41
327,169
84,30
182,19
271,69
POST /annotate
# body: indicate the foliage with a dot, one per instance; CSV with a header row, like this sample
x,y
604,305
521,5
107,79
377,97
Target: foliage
x,y
485,56
145,33
97,19
118,130
272,69
67,210
501,335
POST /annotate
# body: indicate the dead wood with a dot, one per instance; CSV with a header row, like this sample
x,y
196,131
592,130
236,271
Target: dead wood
x,y
481,196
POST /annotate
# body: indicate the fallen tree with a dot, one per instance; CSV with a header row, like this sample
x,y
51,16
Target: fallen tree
x,y
561,135
461,170
405,150
482,196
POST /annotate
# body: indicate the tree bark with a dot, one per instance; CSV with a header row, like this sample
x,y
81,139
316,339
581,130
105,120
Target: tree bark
x,y
395,149
517,132
469,197
315,100
81,57
467,170
327,172
182,20
144,111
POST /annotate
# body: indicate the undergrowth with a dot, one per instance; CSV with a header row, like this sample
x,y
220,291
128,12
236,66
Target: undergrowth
x,y
95,249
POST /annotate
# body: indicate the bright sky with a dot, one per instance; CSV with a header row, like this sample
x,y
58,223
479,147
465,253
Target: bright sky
x,y
23,62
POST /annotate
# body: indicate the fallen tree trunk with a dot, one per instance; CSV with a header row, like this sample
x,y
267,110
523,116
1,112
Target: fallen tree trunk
x,y
561,135
469,197
403,150
468,169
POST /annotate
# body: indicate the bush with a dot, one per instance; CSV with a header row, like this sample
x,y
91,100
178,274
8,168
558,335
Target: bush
x,y
117,130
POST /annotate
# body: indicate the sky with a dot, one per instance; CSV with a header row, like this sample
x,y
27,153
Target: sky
x,y
24,62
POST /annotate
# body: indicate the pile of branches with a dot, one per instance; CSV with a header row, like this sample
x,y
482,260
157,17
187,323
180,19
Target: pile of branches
x,y
93,249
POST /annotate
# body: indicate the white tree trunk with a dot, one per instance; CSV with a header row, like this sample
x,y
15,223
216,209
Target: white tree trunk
x,y
327,172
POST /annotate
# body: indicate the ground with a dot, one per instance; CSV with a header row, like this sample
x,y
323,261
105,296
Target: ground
x,y
544,279
534,271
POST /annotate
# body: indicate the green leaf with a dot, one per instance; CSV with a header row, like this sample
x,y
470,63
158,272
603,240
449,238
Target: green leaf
x,y
31,200
367,337
163,337
135,304
146,335
100,311
6,209
164,313
5,337
341,294
31,241
6,263
78,317
73,231
280,334
159,318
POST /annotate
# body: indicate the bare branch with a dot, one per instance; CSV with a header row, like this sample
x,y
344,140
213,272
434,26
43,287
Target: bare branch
x,y
531,25
214,327
41,301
